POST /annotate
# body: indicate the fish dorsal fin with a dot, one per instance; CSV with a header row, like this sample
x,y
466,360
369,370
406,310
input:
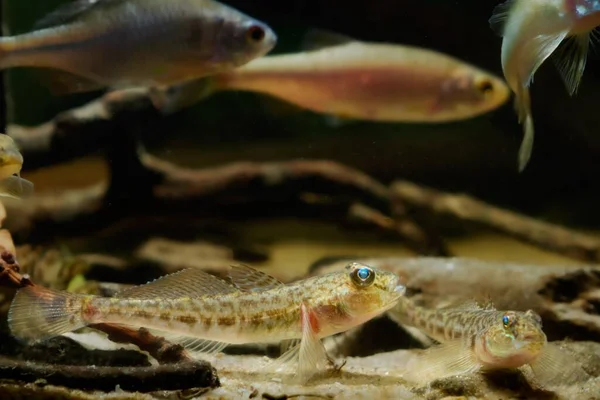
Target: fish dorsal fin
x,y
189,282
499,16
69,12
62,82
316,39
464,306
249,279
16,187
570,59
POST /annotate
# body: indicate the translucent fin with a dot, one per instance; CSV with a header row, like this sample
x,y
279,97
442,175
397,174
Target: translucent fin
x,y
570,59
310,354
171,99
499,16
249,279
538,49
186,283
69,12
286,345
335,121
316,39
463,306
451,358
37,313
16,187
62,83
527,144
556,367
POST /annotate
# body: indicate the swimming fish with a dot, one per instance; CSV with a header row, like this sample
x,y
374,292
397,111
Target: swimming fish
x,y
11,162
532,31
121,43
476,338
356,80
205,313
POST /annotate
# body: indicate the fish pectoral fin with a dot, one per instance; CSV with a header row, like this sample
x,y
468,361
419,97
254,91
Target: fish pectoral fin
x,y
248,279
189,282
570,59
499,16
555,366
16,187
316,39
309,355
171,99
451,358
286,345
62,83
336,121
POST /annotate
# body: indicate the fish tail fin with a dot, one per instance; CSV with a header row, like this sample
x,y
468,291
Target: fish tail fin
x,y
523,107
38,313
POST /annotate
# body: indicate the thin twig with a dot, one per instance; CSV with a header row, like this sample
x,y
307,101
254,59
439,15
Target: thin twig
x,y
542,234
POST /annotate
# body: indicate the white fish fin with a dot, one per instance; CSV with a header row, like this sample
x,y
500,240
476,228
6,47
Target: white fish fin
x,y
316,39
312,356
447,359
499,16
69,12
37,313
249,279
16,187
171,99
62,83
335,121
286,345
555,366
527,144
189,282
538,49
570,59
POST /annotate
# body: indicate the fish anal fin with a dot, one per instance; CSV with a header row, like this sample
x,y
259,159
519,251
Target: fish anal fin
x,y
316,39
189,282
63,83
249,279
447,359
191,343
499,16
555,366
16,187
570,59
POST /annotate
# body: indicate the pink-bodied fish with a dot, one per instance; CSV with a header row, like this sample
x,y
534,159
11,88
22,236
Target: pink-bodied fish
x,y
119,43
532,31
350,79
205,313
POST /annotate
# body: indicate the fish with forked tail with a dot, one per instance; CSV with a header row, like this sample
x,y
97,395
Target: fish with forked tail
x,y
86,45
205,313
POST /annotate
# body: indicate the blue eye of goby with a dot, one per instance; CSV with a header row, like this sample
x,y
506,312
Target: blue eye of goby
x,y
364,273
505,320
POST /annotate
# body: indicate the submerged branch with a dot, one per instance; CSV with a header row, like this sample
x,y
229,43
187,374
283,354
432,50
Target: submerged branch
x,y
542,234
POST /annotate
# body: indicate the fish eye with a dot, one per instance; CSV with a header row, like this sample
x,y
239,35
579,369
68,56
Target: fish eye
x,y
363,276
508,320
485,86
255,34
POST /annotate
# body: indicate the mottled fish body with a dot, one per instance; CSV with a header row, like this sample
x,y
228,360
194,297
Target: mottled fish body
x,y
205,313
138,42
482,338
366,81
533,31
